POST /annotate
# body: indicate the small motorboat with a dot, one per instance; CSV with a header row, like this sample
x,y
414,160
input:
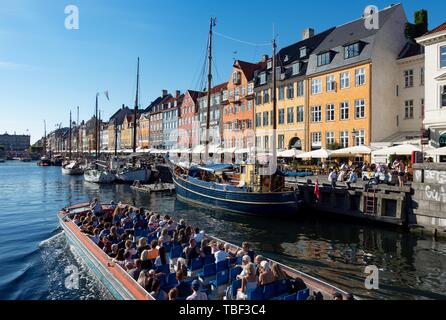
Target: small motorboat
x,y
130,174
99,176
159,187
44,162
72,168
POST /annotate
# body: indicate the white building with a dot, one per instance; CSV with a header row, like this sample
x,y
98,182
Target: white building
x,y
435,84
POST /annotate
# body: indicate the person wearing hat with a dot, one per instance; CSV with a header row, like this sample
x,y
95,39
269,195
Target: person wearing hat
x,y
197,295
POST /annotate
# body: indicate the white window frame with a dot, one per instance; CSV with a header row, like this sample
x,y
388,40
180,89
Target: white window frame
x,y
316,86
316,114
408,78
344,112
360,137
408,109
330,112
331,83
360,77
329,138
343,139
316,139
345,80
359,108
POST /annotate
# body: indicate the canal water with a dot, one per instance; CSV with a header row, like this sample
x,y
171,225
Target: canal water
x,y
36,260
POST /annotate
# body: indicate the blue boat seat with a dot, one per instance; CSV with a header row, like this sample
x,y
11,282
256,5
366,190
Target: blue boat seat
x,y
282,287
176,252
209,270
223,265
171,282
256,294
163,269
209,259
234,272
221,278
290,297
167,246
196,264
269,291
236,284
303,294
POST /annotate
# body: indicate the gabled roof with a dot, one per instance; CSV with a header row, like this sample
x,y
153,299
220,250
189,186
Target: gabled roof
x,y
153,103
194,95
216,89
441,27
248,68
120,115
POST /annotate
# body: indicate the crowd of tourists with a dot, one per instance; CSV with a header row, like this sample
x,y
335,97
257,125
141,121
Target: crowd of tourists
x,y
139,241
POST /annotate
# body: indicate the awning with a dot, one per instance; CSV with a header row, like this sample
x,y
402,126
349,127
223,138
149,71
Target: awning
x,y
216,167
401,150
292,153
316,154
437,152
352,151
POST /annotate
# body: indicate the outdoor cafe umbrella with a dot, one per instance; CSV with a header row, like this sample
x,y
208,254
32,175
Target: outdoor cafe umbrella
x,y
352,151
316,154
400,150
437,152
292,153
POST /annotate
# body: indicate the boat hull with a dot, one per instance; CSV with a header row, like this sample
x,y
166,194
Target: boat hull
x,y
260,204
96,176
72,172
142,175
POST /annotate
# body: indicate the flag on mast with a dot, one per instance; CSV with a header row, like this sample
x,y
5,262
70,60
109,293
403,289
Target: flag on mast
x,y
317,193
106,95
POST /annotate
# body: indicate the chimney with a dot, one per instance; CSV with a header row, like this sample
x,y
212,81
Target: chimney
x,y
123,106
164,93
177,94
308,33
265,58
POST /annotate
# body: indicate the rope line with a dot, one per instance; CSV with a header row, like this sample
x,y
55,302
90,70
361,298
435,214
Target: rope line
x,y
242,41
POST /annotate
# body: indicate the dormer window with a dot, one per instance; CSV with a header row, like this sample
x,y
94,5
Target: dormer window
x,y
286,58
236,78
270,64
262,78
303,52
352,50
296,68
323,58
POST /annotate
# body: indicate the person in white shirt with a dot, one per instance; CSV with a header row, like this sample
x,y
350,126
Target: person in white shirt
x,y
332,177
199,235
221,254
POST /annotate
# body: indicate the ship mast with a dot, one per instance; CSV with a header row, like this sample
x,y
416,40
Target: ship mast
x,y
44,137
69,139
78,133
96,128
208,113
136,108
274,97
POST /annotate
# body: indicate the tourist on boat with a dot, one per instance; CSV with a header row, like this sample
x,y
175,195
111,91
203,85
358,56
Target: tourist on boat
x,y
127,221
162,259
138,221
96,207
173,294
197,295
155,290
112,205
205,249
183,238
181,265
164,238
278,273
106,245
338,296
142,245
175,238
214,246
198,235
114,251
136,270
349,296
266,275
316,296
182,286
113,236
249,282
77,220
191,252
221,254
146,262
246,250
257,261
246,260
181,225
153,251
146,278
95,237
129,248
120,258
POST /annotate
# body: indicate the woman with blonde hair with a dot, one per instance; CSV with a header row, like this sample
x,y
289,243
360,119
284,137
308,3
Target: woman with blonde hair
x,y
278,272
266,275
249,283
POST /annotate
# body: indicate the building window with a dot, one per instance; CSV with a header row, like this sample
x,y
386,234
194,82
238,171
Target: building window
x,y
250,105
359,108
323,59
329,138
290,91
360,137
316,86
408,78
443,57
351,50
290,115
422,109
281,116
265,118
316,114
422,76
281,141
250,88
443,96
330,112
266,96
281,92
408,109
266,142
263,78
296,68
300,88
331,83
258,99
344,110
302,52
300,114
316,139
344,139
359,77
345,80
258,119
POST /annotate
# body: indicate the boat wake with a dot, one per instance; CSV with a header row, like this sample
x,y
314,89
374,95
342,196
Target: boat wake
x,y
68,277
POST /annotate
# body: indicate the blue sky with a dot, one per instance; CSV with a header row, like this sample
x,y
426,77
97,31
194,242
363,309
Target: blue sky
x,y
46,70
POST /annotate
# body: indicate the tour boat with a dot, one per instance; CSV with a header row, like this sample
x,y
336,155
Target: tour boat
x,y
123,287
44,162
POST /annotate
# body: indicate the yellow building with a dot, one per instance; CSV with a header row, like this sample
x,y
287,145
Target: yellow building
x,y
127,132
